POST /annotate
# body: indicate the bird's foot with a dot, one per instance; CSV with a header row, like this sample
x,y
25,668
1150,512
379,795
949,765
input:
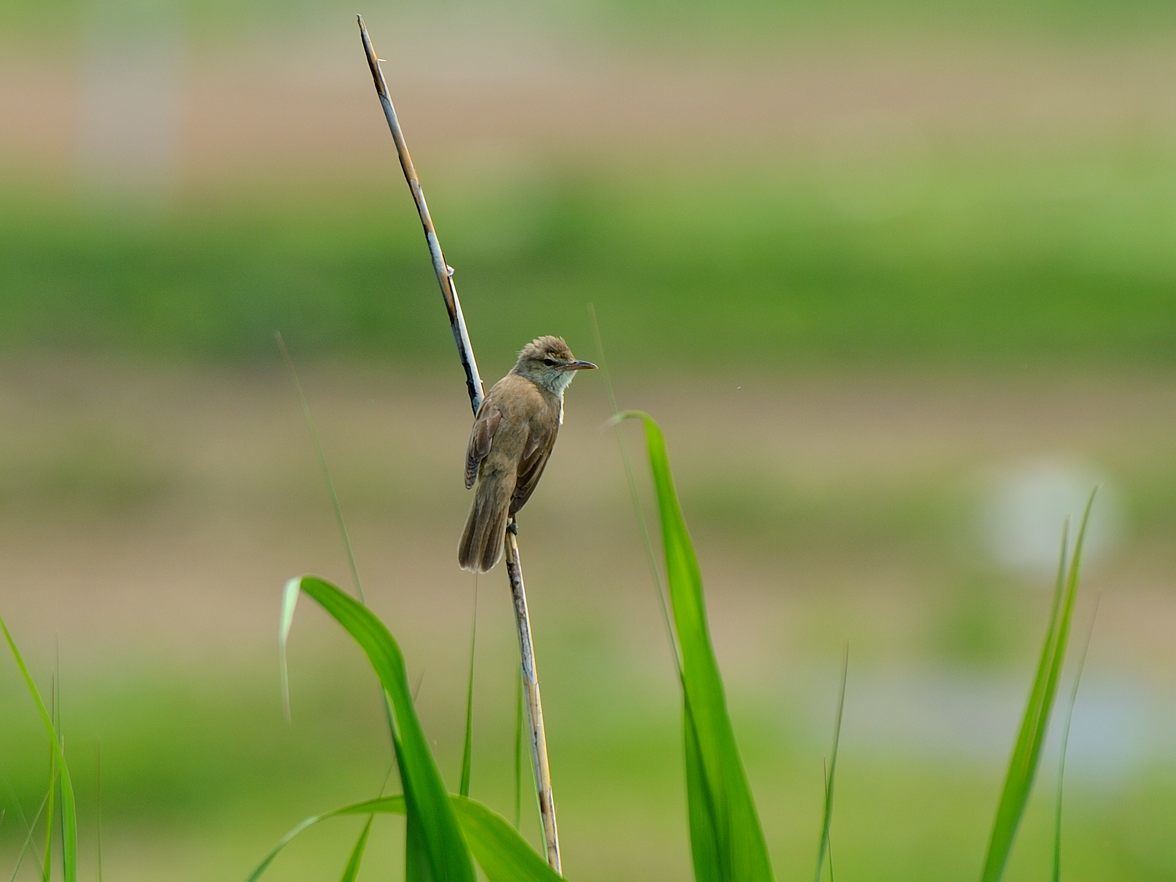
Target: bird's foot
x,y
512,527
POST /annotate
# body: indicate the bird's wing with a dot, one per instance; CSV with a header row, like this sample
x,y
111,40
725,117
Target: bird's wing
x,y
481,436
534,460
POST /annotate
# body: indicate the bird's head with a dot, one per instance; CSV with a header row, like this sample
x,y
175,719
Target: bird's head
x,y
549,363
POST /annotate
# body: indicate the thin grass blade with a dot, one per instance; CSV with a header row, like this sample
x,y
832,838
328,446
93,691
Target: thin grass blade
x,y
1034,723
290,597
355,859
722,811
830,775
631,481
26,847
501,851
429,807
69,811
336,507
518,753
98,807
1057,851
50,820
382,805
324,469
828,839
467,750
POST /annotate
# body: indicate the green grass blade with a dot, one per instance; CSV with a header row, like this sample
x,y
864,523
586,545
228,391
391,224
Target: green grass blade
x,y
828,839
30,827
285,623
467,750
701,812
830,775
324,469
351,871
631,481
499,848
98,806
518,753
50,820
382,805
1031,736
1057,851
417,866
69,811
721,807
336,508
501,851
429,808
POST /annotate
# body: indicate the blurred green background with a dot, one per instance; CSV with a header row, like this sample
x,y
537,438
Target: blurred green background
x,y
897,279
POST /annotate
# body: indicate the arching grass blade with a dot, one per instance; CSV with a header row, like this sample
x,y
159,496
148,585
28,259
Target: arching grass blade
x,y
500,850
429,812
727,840
830,774
1057,852
467,749
69,811
1034,723
355,859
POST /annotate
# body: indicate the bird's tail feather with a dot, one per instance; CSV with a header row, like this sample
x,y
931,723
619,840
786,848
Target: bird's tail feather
x,y
482,542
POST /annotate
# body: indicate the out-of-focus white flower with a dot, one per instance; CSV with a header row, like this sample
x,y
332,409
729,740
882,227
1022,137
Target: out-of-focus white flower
x,y
1024,505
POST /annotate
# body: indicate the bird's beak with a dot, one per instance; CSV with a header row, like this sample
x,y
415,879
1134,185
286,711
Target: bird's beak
x,y
579,366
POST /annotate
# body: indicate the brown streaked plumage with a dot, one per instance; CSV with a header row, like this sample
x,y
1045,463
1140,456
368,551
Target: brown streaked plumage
x,y
510,443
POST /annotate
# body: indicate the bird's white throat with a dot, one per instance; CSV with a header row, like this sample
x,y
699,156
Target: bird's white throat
x,y
561,386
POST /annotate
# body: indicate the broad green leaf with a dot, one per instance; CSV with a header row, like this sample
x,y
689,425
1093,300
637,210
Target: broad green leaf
x,y
500,849
704,845
501,852
1031,736
727,840
417,866
69,811
430,813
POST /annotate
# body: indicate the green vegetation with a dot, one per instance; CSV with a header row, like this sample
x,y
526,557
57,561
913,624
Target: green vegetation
x,y
442,830
60,779
823,848
652,18
445,833
726,838
844,332
953,258
1031,737
437,849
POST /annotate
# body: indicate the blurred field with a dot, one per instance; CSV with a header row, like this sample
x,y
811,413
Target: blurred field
x,y
157,548
875,276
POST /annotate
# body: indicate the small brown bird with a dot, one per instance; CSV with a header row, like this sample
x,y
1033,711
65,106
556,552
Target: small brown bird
x,y
510,444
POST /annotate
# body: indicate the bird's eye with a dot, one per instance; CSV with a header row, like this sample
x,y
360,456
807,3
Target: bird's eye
x,y
550,362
